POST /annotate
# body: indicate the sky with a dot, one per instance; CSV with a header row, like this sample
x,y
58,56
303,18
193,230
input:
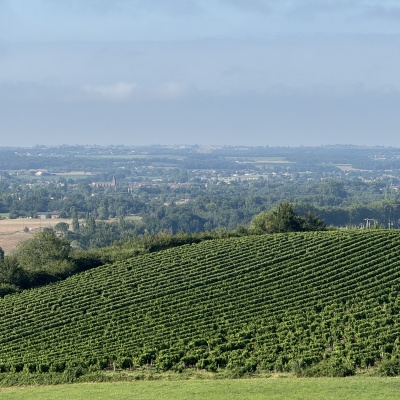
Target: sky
x,y
208,72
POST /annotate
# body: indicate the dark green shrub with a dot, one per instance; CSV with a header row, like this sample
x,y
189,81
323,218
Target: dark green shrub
x,y
333,367
389,367
73,371
6,288
126,362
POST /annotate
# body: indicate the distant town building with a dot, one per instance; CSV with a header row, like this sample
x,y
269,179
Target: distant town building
x,y
113,183
42,172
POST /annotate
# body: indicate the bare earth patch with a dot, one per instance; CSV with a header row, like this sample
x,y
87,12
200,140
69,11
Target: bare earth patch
x,y
12,230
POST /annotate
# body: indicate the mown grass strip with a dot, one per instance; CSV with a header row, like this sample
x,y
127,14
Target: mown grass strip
x,y
361,388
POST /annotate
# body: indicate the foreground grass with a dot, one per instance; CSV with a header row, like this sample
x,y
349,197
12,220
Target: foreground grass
x,y
252,389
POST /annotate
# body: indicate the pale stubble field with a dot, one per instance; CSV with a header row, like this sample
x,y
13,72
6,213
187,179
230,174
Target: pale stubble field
x,y
12,230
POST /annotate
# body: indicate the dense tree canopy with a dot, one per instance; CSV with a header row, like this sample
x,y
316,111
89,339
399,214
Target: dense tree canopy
x,y
283,218
45,251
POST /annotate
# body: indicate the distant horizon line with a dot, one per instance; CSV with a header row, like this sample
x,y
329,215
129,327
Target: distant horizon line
x,y
183,145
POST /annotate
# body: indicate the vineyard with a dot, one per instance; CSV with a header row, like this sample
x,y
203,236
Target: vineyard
x,y
269,302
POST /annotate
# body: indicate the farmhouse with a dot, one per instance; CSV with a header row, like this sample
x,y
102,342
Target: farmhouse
x,y
51,215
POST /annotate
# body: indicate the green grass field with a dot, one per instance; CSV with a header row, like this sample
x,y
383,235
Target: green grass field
x,y
359,388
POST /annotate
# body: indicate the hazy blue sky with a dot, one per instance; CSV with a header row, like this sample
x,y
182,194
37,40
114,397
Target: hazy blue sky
x,y
249,72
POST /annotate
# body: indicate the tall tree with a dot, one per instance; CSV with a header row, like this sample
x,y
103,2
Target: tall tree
x,y
283,218
75,221
44,252
312,222
280,219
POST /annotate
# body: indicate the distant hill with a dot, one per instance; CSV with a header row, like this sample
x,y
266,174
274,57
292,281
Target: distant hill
x,y
269,302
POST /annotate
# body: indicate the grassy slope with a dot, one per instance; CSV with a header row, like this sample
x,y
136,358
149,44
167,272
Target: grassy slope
x,y
254,389
251,302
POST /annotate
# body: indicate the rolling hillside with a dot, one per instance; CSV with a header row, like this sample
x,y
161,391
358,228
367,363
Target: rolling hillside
x,y
266,302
